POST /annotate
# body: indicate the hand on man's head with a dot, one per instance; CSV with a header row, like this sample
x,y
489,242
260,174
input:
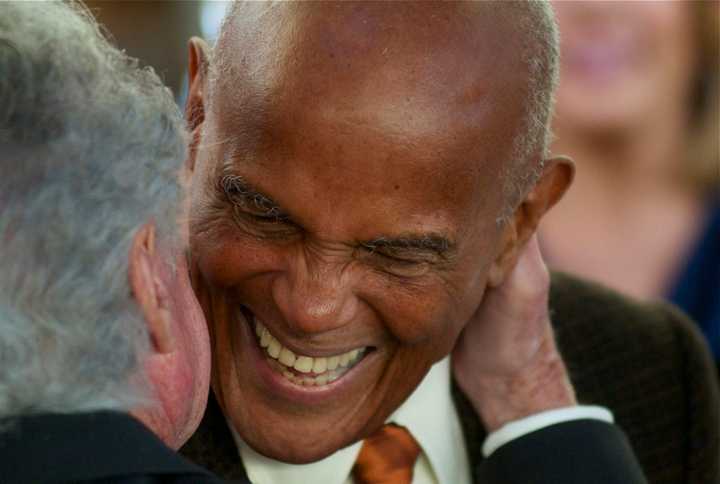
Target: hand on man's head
x,y
506,360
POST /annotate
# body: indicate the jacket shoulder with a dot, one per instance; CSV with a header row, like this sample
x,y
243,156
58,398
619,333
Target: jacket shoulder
x,y
648,363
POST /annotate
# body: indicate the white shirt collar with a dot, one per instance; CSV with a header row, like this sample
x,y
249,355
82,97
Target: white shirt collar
x,y
430,416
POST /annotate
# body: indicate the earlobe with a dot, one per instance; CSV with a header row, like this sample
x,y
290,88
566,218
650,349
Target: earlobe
x,y
148,288
198,64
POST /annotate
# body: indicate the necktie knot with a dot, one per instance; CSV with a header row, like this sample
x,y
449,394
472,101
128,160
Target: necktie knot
x,y
388,456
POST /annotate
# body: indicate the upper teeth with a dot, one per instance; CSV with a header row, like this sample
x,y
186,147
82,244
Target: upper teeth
x,y
305,364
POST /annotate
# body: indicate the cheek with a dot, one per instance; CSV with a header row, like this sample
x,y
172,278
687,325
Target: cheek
x,y
434,312
418,319
433,315
220,263
224,257
429,319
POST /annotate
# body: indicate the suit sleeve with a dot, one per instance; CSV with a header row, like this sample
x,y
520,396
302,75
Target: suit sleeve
x,y
575,452
702,401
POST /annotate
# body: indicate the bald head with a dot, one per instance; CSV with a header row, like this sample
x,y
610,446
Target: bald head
x,y
385,58
345,194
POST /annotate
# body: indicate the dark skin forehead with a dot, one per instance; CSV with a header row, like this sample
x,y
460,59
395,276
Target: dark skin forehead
x,y
413,69
366,45
433,89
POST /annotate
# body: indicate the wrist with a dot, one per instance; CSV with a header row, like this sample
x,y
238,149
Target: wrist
x,y
538,387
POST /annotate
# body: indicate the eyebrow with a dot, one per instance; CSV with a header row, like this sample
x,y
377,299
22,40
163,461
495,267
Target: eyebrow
x,y
238,186
430,244
415,244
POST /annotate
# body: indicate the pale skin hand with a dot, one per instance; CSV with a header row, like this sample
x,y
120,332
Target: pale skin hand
x,y
506,360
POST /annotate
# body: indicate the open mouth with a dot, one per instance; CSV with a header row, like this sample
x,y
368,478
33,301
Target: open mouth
x,y
299,369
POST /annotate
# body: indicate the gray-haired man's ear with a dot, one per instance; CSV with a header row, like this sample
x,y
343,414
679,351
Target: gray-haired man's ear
x,y
149,288
178,367
198,63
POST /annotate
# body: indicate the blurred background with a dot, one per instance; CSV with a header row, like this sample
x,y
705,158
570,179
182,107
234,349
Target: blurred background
x,y
156,32
637,108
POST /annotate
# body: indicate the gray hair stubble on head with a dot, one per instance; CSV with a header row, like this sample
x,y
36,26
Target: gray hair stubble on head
x,y
542,58
90,146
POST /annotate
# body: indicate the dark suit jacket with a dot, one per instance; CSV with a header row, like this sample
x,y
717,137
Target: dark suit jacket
x,y
647,363
107,447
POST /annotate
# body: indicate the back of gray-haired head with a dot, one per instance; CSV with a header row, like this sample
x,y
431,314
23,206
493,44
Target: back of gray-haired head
x,y
89,148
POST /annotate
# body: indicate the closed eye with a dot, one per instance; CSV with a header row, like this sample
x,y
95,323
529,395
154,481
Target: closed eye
x,y
397,266
264,225
397,260
255,213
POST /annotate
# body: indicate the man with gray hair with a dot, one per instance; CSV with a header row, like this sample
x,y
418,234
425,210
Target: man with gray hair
x,y
85,343
97,315
366,182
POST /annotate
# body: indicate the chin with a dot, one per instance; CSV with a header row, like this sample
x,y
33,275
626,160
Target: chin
x,y
293,450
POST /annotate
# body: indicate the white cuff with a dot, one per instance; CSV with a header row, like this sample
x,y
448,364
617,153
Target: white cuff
x,y
524,426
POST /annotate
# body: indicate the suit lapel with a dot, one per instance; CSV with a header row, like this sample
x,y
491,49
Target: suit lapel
x,y
80,447
473,430
212,446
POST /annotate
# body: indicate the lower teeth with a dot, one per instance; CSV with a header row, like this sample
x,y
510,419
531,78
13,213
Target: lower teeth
x,y
308,380
283,361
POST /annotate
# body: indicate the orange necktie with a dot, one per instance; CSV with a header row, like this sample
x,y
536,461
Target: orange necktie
x,y
387,457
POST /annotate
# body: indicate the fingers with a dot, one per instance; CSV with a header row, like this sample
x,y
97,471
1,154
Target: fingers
x,y
522,297
530,274
506,360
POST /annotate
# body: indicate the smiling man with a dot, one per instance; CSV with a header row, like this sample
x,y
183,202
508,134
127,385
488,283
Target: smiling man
x,y
366,182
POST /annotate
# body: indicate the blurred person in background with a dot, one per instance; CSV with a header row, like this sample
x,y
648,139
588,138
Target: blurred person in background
x,y
97,316
637,107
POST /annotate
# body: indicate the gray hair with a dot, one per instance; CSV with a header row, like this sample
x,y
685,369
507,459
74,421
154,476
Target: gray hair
x,y
531,145
89,149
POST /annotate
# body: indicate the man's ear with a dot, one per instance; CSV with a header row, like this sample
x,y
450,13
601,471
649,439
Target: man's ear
x,y
198,65
149,288
556,178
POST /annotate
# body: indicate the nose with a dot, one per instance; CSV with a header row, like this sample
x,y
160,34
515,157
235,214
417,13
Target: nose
x,y
315,296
